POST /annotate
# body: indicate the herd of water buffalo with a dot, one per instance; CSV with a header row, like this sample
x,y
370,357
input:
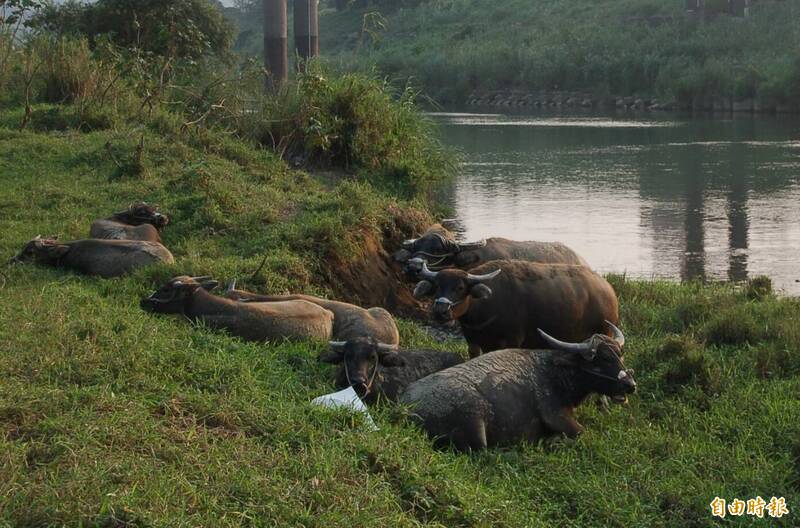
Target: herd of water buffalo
x,y
540,324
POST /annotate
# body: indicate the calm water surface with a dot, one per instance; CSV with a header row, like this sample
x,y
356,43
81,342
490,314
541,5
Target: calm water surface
x,y
651,197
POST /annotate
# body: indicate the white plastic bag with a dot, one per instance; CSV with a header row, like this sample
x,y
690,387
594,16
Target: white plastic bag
x,y
347,399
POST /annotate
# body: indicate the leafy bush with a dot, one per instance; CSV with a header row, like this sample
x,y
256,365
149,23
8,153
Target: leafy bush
x,y
735,326
354,122
687,365
179,28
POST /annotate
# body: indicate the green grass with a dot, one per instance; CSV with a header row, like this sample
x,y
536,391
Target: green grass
x,y
605,47
110,416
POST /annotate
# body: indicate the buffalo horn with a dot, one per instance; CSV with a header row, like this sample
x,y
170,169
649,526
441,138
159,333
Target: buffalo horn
x,y
619,337
426,273
337,344
481,278
386,348
562,345
408,243
472,245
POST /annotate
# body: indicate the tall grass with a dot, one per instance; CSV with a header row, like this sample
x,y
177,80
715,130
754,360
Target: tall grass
x,y
629,47
354,123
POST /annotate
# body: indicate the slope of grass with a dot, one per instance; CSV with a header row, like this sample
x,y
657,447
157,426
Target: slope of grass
x,y
620,47
110,416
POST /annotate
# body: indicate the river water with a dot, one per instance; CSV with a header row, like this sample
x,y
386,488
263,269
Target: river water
x,y
652,197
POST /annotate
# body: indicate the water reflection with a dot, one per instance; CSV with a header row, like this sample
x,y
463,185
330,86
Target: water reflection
x,y
681,199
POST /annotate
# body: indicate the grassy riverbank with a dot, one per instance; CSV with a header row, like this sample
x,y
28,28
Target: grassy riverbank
x,y
110,416
621,48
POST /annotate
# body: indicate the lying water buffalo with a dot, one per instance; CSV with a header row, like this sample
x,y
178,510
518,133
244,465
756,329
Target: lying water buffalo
x,y
139,222
272,321
439,249
515,394
571,302
105,258
350,321
377,369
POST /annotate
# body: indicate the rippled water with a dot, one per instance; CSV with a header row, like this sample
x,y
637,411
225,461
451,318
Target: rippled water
x,y
671,198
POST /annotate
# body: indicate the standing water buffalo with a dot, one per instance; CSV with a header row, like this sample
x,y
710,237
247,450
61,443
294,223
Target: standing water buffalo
x,y
378,369
139,222
273,321
504,301
350,321
105,258
512,395
439,249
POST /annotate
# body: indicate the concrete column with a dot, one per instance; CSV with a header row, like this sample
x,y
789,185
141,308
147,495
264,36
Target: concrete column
x,y
276,48
306,30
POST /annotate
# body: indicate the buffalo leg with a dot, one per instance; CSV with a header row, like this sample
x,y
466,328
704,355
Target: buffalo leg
x,y
472,437
474,350
563,422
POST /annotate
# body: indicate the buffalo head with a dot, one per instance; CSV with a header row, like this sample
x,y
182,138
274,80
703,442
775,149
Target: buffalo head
x,y
599,358
453,290
41,251
362,358
170,298
437,247
142,213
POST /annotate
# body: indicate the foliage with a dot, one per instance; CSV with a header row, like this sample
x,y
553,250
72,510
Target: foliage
x,y
630,47
355,123
180,28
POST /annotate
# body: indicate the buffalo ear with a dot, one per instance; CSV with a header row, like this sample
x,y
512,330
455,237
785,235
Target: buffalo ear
x,y
481,291
468,258
391,359
56,251
423,288
589,353
401,255
331,356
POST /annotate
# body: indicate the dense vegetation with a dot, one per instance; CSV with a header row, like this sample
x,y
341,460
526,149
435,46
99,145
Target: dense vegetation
x,y
110,416
451,48
181,28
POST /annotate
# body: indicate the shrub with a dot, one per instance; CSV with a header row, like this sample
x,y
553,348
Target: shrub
x,y
687,365
352,122
759,288
179,28
732,327
69,72
776,359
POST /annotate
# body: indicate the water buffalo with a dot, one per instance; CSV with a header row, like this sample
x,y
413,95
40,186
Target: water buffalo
x,y
350,321
439,249
105,258
139,222
376,369
272,321
516,394
504,301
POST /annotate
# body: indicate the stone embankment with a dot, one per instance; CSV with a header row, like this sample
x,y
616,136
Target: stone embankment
x,y
571,100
